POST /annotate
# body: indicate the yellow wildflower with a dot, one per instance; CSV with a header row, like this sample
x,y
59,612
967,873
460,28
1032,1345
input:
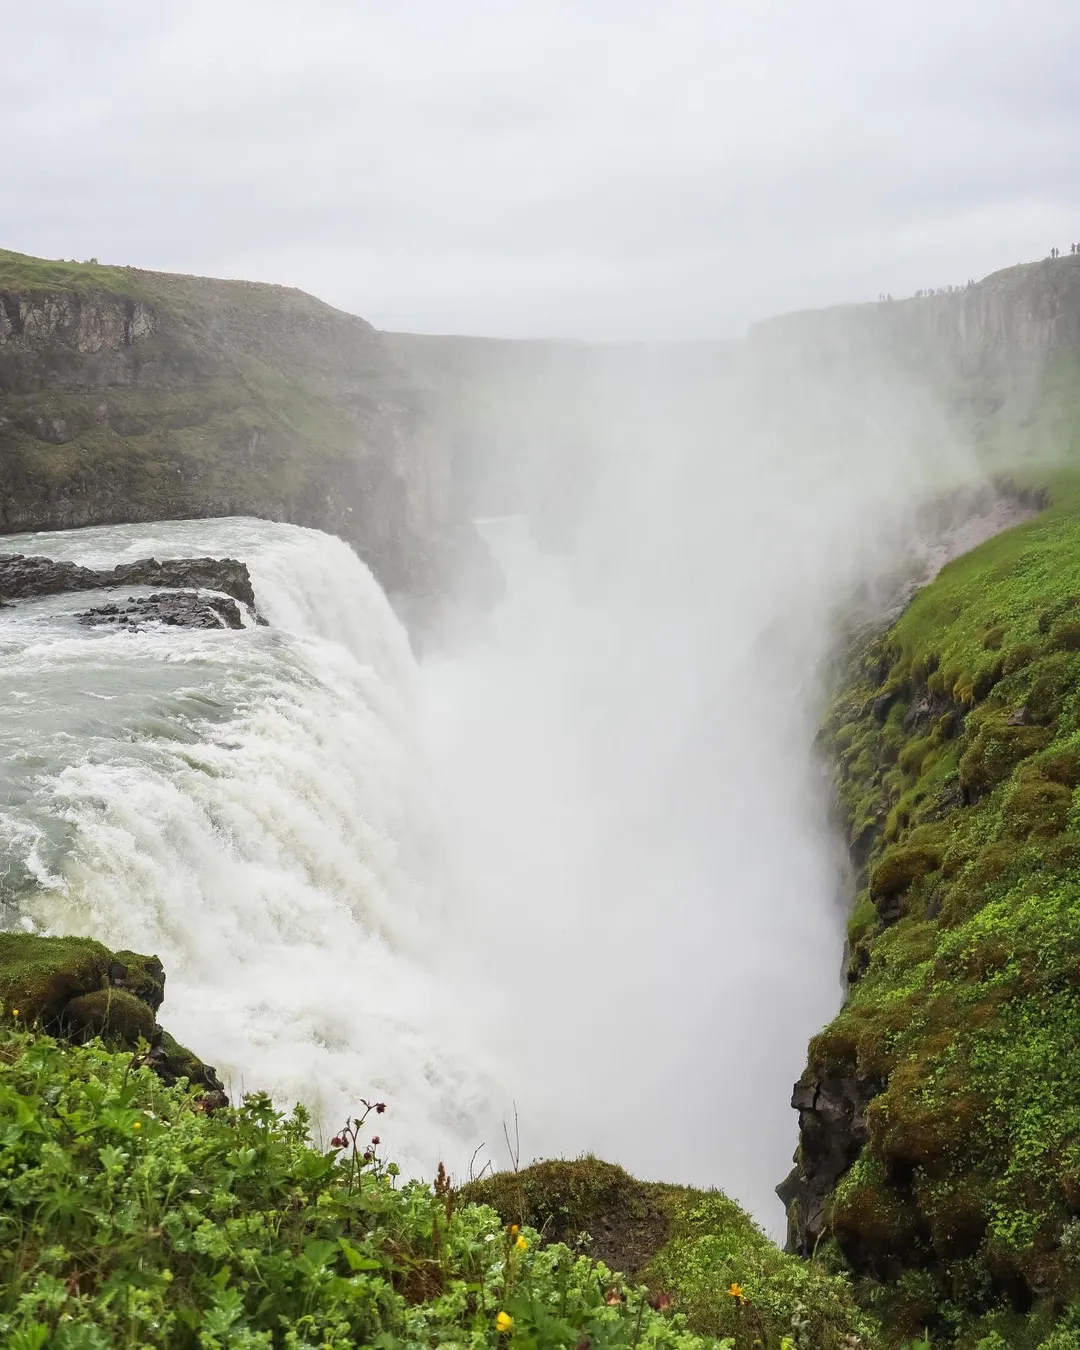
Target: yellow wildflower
x,y
14,1012
521,1243
514,1230
137,1125
503,1323
737,1294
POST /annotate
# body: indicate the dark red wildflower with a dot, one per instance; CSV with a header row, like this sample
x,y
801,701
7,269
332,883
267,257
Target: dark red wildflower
x,y
380,1107
375,1140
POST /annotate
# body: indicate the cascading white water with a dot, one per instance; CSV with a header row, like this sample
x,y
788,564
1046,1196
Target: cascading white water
x,y
251,806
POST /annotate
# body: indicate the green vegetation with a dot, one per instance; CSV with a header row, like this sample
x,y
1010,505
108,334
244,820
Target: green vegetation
x,y
138,1209
956,746
129,1217
693,1246
19,272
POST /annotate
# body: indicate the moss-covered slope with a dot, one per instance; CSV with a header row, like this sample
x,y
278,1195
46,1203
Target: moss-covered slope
x,y
953,1072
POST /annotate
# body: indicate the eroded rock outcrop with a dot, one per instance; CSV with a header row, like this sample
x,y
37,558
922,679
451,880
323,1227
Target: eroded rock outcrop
x,y
832,1133
76,988
176,609
23,578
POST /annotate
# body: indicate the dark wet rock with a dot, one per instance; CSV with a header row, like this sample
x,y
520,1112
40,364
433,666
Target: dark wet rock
x,y
832,1133
926,707
172,1061
23,577
179,609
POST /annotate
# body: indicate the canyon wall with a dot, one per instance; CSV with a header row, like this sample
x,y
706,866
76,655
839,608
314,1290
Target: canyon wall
x,y
129,395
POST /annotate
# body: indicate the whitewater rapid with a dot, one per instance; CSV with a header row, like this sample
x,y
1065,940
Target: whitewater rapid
x,y
253,807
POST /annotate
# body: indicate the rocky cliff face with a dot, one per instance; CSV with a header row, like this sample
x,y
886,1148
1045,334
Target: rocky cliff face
x,y
1001,356
1009,319
128,395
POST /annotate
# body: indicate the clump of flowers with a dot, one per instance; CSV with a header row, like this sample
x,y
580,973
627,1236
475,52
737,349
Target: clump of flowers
x,y
362,1155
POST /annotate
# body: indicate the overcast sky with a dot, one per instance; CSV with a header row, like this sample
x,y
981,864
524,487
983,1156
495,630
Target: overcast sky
x,y
591,168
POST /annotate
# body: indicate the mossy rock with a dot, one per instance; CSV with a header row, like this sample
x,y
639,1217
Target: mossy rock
x,y
39,976
566,1199
995,751
143,976
993,638
1054,681
76,988
689,1244
899,869
1036,809
173,1062
119,1018
1065,635
1018,657
1059,766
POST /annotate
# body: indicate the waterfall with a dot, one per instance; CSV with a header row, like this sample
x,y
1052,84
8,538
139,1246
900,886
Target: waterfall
x,y
253,807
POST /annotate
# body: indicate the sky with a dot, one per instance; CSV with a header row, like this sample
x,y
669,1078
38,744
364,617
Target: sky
x,y
578,168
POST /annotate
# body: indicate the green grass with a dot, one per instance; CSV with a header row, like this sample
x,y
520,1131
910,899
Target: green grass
x,y
19,272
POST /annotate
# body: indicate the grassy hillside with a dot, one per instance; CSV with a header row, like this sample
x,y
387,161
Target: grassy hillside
x,y
956,749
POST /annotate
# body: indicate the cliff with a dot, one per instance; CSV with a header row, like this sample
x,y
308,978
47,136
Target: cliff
x,y
131,395
938,1114
128,395
1002,355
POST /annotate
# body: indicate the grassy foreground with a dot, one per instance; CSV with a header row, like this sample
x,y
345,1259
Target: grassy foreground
x,y
130,1215
956,748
